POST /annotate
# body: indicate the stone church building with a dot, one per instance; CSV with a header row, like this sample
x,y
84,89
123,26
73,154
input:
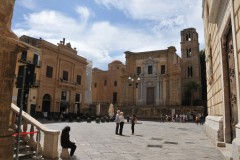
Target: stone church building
x,y
155,79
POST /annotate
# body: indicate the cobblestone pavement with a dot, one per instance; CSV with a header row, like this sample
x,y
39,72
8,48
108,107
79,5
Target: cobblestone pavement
x,y
152,141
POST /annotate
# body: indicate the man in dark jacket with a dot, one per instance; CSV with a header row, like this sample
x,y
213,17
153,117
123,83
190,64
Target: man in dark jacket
x,y
65,140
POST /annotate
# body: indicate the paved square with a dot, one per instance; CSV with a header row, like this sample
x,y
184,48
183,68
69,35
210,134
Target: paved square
x,y
152,140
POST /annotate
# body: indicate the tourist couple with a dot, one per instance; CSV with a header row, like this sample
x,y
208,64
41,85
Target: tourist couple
x,y
119,119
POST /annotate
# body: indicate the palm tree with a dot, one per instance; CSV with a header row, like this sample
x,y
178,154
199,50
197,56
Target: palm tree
x,y
192,87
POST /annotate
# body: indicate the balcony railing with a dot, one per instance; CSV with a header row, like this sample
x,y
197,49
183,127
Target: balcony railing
x,y
68,83
27,61
35,84
50,142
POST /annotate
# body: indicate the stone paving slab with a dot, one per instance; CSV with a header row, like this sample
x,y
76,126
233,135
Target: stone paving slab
x,y
152,141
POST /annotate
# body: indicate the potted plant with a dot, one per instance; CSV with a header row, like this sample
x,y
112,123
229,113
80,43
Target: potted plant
x,y
103,119
78,119
89,120
107,119
97,120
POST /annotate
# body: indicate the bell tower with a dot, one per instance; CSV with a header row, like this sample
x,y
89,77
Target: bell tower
x,y
190,67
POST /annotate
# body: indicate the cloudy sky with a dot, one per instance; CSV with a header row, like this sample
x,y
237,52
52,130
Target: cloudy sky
x,y
102,30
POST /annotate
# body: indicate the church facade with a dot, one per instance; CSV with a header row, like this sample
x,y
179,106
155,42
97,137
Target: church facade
x,y
152,78
155,79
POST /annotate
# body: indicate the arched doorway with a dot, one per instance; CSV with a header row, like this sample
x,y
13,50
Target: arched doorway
x,y
46,103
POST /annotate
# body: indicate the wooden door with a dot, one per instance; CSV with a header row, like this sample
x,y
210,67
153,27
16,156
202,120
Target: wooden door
x,y
232,84
150,96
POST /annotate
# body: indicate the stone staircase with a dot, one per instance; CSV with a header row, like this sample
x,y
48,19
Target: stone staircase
x,y
31,145
25,151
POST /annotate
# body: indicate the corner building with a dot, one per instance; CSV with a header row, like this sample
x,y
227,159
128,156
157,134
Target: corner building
x,y
222,37
63,77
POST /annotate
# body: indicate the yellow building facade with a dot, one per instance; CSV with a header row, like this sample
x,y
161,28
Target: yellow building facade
x,y
107,85
62,81
222,39
30,61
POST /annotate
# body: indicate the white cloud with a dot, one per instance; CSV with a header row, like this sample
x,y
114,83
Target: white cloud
x,y
163,15
83,12
29,4
102,41
49,24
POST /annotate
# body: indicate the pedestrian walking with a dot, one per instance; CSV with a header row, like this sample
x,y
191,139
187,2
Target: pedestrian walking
x,y
65,140
121,117
161,118
117,120
133,122
197,120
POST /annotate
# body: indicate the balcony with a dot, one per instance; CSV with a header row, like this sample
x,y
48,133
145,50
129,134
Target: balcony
x,y
27,61
35,84
63,82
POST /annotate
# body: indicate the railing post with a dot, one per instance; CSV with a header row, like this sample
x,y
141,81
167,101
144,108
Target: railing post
x,y
32,141
25,127
50,144
38,145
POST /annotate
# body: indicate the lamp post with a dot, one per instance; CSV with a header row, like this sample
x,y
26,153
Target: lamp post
x,y
134,81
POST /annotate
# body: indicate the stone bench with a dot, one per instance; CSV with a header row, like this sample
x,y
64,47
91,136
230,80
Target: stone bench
x,y
65,154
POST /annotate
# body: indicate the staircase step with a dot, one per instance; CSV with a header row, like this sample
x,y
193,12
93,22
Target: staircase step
x,y
23,148
21,142
25,155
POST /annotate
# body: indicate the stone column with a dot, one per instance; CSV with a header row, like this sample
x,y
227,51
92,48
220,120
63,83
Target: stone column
x,y
9,47
8,54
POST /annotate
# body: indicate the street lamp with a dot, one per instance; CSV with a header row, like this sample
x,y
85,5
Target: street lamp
x,y
134,81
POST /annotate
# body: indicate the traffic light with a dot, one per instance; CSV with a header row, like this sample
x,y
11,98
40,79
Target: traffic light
x,y
29,77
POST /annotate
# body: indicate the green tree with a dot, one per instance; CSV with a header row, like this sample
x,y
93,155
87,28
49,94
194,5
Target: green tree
x,y
191,87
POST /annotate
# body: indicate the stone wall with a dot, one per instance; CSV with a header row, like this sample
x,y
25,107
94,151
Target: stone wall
x,y
150,112
222,41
